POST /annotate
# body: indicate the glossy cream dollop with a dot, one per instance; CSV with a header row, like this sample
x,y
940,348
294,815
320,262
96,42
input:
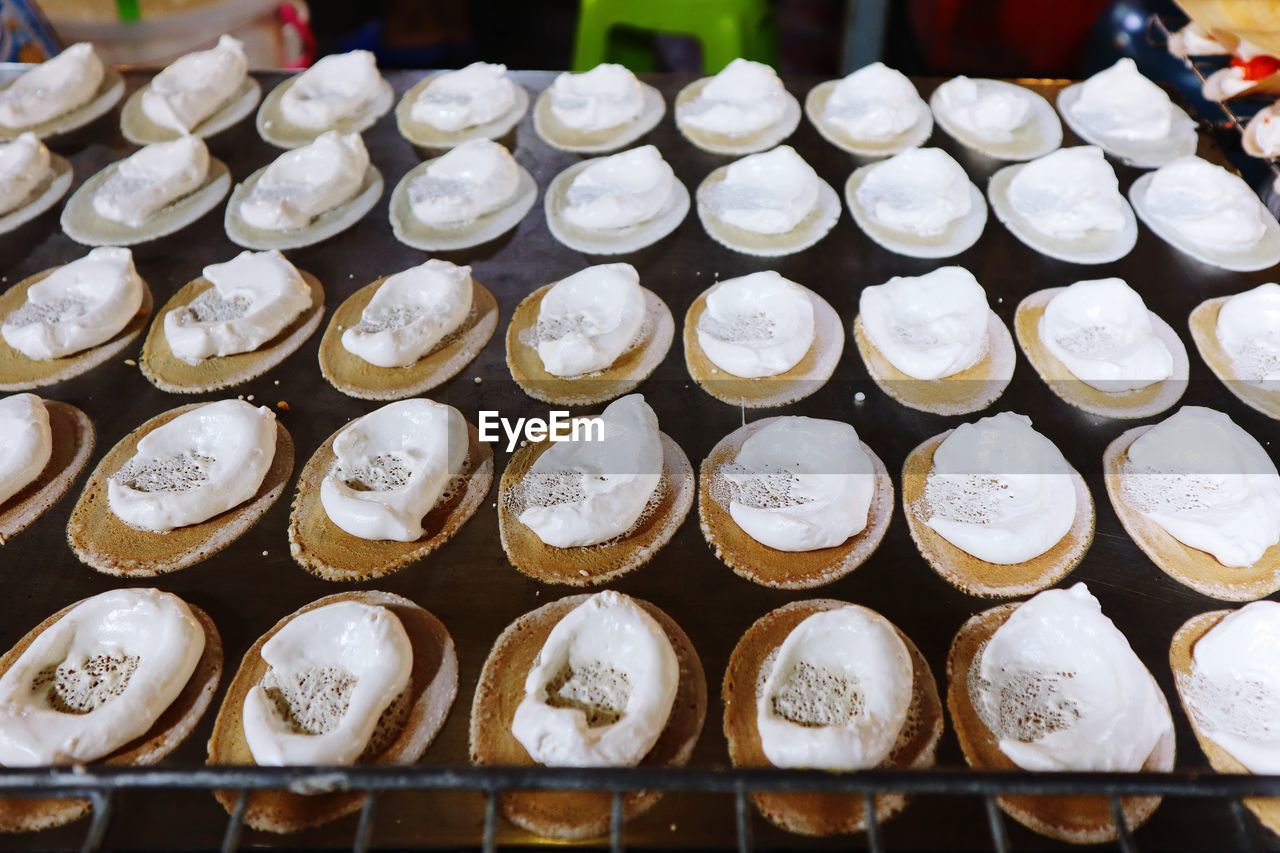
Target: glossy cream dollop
x,y
254,297
195,86
1068,193
992,114
920,191
1234,690
611,657
756,325
1102,331
585,492
336,669
769,193
26,442
1120,103
337,87
800,484
1208,483
930,326
200,464
24,165
151,179
1000,491
469,181
589,319
603,98
1206,205
744,98
301,184
470,96
1248,330
874,103
1061,689
411,312
838,693
77,306
53,88
119,660
620,191
391,467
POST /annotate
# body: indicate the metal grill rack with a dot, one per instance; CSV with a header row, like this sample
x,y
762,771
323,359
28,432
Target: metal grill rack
x,y
1158,33
102,785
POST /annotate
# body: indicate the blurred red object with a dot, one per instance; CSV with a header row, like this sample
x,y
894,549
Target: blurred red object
x,y
1003,37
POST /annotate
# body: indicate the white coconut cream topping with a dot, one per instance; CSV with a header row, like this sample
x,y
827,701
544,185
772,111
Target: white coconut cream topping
x,y
601,688
1208,483
195,86
1102,331
303,183
1206,205
337,87
620,191
756,325
202,463
24,165
1265,131
1120,103
391,468
588,320
1061,689
1249,331
800,484
25,443
992,114
1068,193
474,95
874,103
1000,491
1234,689
333,672
930,326
470,180
253,298
152,178
1195,40
605,97
410,313
838,693
587,492
77,306
743,98
53,88
97,678
920,191
769,193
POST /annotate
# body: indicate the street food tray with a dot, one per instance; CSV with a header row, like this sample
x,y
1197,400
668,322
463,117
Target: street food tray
x,y
469,584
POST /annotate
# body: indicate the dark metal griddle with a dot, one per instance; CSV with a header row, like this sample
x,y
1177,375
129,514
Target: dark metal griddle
x,y
469,584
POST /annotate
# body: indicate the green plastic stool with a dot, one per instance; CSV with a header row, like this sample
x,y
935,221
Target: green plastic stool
x,y
621,31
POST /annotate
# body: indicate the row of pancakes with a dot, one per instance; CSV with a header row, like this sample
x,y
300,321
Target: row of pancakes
x,y
932,341
743,109
1065,203
792,502
605,680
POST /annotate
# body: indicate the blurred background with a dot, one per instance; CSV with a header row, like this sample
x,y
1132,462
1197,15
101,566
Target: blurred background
x,y
1066,38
